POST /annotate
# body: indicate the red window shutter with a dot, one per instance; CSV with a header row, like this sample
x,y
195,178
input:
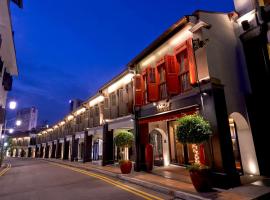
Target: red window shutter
x,y
171,75
152,84
138,83
191,60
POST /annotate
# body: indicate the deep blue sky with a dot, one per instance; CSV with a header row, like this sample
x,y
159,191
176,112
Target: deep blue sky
x,y
68,49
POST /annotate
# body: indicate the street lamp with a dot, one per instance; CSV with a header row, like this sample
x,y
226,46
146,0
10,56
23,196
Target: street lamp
x,y
12,105
18,122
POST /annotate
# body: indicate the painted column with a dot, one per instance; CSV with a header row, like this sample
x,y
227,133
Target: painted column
x,y
46,151
37,152
107,149
58,150
53,150
74,148
87,147
215,111
29,152
65,149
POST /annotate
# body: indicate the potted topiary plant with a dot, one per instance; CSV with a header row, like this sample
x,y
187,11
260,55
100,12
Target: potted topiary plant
x,y
124,140
195,130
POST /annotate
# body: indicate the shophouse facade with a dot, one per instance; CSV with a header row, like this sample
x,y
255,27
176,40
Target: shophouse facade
x,y
253,30
199,66
195,67
87,133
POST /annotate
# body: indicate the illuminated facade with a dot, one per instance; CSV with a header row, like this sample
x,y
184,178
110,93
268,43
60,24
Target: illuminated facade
x,y
198,65
253,29
87,133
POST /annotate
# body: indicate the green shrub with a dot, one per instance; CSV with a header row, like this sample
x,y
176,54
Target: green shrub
x,y
124,139
193,129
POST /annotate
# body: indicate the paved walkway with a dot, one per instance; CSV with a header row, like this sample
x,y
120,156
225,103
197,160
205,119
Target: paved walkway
x,y
181,189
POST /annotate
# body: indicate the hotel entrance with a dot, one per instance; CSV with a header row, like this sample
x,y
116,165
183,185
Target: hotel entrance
x,y
180,154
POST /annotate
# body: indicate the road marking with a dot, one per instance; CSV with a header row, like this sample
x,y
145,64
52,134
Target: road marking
x,y
113,182
5,170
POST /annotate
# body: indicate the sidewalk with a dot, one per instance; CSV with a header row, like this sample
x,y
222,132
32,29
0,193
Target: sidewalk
x,y
179,189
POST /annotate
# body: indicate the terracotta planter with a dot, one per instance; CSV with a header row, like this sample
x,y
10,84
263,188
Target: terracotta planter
x,y
201,179
125,166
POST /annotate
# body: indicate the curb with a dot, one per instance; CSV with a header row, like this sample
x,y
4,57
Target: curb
x,y
168,191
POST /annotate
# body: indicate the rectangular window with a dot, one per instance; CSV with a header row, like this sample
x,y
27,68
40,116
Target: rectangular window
x,y
145,88
113,99
182,62
106,102
121,95
162,82
152,75
96,110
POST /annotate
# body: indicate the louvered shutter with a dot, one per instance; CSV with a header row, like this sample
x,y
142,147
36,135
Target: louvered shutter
x,y
152,85
191,61
138,83
171,75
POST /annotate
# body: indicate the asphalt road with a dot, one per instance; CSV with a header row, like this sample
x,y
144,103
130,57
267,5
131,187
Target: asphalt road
x,y
30,179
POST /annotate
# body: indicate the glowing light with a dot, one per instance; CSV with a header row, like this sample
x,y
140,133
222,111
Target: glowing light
x,y
177,39
80,111
123,81
11,130
18,122
55,127
96,100
149,60
196,153
2,136
12,105
5,144
62,123
50,130
70,117
252,167
247,17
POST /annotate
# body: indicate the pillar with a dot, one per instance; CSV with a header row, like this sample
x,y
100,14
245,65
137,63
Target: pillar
x,y
65,149
29,152
74,148
53,150
47,149
107,150
87,147
37,152
225,174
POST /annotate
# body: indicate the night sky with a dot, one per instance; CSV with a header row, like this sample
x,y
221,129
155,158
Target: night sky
x,y
68,49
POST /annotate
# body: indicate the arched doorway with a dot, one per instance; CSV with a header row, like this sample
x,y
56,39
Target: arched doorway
x,y
243,145
156,140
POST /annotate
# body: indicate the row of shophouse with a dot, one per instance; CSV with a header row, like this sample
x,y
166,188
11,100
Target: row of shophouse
x,y
214,64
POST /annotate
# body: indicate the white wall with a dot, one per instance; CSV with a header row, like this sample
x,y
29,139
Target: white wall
x,y
244,6
225,59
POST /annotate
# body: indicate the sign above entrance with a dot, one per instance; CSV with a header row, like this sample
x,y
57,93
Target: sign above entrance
x,y
163,106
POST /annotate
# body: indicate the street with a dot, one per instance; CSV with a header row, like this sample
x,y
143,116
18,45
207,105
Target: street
x,y
36,179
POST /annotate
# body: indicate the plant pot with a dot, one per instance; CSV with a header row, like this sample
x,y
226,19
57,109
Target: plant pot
x,y
125,166
201,179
